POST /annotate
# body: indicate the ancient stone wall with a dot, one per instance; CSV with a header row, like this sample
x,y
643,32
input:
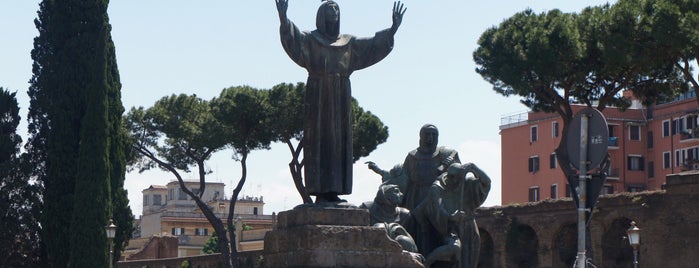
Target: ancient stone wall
x,y
544,234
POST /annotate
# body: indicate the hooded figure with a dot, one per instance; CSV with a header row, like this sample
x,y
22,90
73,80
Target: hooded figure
x,y
384,212
425,164
330,58
448,230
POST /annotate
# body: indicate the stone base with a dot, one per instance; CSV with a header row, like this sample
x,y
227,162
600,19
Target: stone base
x,y
331,237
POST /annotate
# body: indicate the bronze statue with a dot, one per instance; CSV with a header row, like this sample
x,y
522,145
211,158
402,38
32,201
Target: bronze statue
x,y
448,212
384,212
330,58
423,165
394,176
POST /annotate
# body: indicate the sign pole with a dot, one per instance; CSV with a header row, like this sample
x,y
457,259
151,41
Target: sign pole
x,y
582,191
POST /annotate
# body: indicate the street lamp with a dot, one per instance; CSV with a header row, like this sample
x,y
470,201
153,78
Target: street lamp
x,y
111,232
634,235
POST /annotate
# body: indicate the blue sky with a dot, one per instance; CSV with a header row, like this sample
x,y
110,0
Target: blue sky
x,y
201,47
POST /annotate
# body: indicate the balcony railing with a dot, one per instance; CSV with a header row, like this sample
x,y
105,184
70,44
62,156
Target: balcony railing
x,y
690,164
613,142
689,134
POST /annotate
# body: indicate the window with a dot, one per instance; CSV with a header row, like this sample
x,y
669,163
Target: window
x,y
676,126
635,189
554,191
554,129
181,195
690,122
534,136
691,155
612,136
533,164
569,192
666,128
552,160
157,199
145,200
635,162
634,133
171,193
649,142
677,158
608,189
177,231
534,194
666,160
611,129
254,211
651,169
201,232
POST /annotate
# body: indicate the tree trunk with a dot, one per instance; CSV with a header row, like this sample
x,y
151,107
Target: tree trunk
x,y
231,210
295,169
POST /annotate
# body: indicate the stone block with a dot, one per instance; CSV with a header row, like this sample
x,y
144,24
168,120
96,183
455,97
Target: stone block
x,y
323,216
317,237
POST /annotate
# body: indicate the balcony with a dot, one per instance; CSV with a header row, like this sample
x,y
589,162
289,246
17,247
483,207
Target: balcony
x,y
689,135
613,174
613,143
690,164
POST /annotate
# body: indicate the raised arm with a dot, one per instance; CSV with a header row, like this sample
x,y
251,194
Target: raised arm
x,y
282,6
398,11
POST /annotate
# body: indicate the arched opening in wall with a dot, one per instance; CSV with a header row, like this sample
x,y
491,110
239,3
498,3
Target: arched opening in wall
x,y
565,246
487,252
522,246
616,251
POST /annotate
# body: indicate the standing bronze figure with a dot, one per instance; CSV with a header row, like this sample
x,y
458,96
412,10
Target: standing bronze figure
x,y
330,58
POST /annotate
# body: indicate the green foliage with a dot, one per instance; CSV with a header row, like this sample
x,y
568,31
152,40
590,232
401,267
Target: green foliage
x,y
669,33
75,142
177,133
190,130
19,199
245,115
185,264
211,245
367,131
286,114
553,59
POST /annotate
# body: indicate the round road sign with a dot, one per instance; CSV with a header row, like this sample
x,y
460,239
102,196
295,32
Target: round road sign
x,y
597,138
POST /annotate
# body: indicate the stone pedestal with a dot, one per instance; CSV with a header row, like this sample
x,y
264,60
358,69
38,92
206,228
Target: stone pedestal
x,y
331,237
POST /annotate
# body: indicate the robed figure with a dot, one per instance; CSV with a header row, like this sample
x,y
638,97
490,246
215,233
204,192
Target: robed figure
x,y
330,58
425,164
448,212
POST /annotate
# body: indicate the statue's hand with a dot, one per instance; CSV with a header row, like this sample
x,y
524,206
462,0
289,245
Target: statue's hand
x,y
469,167
398,11
371,165
282,6
458,216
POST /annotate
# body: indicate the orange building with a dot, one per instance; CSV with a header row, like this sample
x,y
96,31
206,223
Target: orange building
x,y
645,145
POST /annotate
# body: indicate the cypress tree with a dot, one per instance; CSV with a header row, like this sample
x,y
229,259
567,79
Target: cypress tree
x,y
75,136
19,199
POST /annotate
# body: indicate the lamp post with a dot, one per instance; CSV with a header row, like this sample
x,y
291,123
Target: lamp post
x,y
634,235
111,232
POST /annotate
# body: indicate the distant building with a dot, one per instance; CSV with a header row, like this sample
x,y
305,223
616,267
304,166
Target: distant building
x,y
645,145
167,210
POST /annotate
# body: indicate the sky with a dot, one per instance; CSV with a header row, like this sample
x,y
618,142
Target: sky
x,y
202,47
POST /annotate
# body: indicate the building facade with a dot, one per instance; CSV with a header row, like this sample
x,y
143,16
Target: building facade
x,y
167,210
646,143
